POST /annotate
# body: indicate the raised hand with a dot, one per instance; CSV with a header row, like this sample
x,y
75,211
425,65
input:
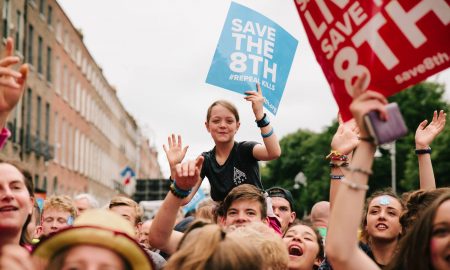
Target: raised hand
x,y
346,137
364,102
11,82
257,100
425,134
188,173
175,152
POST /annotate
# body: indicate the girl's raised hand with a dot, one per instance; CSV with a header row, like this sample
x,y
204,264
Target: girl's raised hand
x,y
257,100
426,134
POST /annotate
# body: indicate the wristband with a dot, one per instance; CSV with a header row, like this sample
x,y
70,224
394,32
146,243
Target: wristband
x,y
337,165
268,134
180,193
359,170
264,122
354,186
366,139
423,151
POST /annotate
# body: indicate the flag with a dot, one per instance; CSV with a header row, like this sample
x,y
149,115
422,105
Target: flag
x,y
127,173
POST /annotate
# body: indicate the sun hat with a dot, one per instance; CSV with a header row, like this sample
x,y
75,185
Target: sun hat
x,y
282,193
98,227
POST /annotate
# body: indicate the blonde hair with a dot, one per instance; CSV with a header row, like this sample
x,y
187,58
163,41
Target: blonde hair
x,y
60,203
206,210
125,201
258,234
228,105
209,247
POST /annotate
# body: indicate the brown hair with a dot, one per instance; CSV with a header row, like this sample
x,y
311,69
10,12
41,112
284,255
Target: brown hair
x,y
209,247
125,201
416,202
244,192
383,192
228,105
206,210
258,234
321,254
414,248
28,181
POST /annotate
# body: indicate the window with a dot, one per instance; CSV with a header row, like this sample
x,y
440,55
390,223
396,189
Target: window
x,y
44,184
39,64
41,7
76,150
55,184
49,15
78,96
49,64
57,75
58,31
39,112
47,122
63,142
19,32
65,82
29,108
36,180
30,44
56,136
5,16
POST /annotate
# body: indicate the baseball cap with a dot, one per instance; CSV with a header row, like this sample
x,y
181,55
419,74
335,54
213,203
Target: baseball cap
x,y
282,193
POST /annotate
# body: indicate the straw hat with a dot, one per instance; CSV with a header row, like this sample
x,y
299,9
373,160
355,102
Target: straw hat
x,y
102,228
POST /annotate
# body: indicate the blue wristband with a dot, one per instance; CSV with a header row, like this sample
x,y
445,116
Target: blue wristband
x,y
268,134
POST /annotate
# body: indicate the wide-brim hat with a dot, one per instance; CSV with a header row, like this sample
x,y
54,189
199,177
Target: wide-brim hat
x,y
102,228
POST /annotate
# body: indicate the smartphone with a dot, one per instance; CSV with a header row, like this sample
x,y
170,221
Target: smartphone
x,y
386,131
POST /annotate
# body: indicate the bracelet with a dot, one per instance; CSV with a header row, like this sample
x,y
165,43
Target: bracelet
x,y
335,155
180,193
263,122
268,134
359,170
337,165
336,177
366,139
423,151
355,186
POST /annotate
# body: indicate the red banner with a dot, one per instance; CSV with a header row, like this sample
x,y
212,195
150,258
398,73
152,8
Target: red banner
x,y
396,43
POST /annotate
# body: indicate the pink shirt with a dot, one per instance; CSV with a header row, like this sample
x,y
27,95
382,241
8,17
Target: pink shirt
x,y
4,135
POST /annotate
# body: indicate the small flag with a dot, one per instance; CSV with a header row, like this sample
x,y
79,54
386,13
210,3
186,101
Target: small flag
x,y
128,173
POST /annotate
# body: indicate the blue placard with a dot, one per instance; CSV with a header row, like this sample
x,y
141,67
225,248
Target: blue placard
x,y
252,48
198,197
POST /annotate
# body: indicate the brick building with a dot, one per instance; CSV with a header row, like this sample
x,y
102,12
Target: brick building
x,y
70,128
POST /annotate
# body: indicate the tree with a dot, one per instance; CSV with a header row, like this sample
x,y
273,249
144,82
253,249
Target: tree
x,y
305,151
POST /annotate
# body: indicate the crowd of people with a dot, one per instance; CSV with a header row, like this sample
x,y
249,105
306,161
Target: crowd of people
x,y
243,225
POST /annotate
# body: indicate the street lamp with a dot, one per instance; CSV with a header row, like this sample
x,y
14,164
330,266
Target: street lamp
x,y
392,151
300,178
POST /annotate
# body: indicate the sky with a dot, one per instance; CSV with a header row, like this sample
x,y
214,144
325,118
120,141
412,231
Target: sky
x,y
157,54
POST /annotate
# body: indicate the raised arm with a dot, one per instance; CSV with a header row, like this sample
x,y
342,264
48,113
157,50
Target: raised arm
x,y
161,235
271,149
425,135
344,141
11,82
341,248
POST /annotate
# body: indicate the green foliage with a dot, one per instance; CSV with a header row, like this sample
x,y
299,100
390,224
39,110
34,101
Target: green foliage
x,y
305,151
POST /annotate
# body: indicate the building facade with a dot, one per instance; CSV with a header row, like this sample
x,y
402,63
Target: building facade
x,y
69,128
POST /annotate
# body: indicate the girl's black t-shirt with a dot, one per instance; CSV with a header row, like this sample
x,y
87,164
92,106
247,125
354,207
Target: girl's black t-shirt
x,y
240,168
